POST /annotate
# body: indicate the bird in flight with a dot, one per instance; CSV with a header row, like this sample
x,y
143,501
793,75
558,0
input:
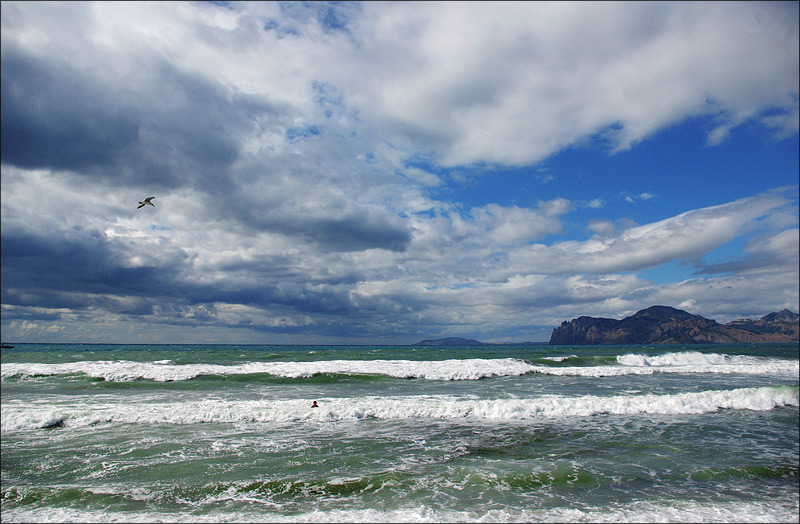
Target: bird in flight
x,y
146,201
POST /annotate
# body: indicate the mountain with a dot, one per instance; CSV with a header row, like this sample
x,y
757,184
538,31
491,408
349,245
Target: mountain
x,y
667,325
452,341
775,324
458,341
781,316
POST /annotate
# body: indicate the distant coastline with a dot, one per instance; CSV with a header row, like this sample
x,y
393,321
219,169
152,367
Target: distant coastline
x,y
658,325
458,341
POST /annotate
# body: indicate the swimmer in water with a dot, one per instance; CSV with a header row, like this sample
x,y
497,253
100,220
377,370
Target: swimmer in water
x,y
314,405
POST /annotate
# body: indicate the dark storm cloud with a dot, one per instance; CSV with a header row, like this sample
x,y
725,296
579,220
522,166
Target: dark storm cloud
x,y
75,273
53,118
303,209
165,128
31,314
351,232
354,233
162,128
54,263
293,296
65,272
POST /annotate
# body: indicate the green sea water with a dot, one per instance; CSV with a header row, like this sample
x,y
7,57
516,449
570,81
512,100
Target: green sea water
x,y
169,433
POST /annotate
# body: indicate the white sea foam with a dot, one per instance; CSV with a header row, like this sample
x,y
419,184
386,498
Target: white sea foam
x,y
561,359
647,511
77,413
683,362
162,371
454,369
686,358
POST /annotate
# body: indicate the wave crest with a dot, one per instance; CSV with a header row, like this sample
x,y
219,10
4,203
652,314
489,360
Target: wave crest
x,y
162,371
453,369
397,408
682,362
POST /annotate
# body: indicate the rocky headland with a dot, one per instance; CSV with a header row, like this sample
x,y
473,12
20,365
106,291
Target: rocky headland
x,y
667,325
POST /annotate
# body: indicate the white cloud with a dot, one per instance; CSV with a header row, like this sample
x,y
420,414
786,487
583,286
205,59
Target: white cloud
x,y
444,79
553,76
641,196
279,150
728,298
512,225
686,236
425,178
601,227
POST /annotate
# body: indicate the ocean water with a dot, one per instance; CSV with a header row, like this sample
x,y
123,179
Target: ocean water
x,y
170,433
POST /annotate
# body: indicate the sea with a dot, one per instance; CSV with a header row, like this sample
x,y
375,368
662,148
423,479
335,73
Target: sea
x,y
500,433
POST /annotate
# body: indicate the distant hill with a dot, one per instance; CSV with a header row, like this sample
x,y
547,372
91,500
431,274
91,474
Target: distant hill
x,y
451,341
667,325
458,341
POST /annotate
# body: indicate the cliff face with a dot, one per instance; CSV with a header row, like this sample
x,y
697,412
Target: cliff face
x,y
666,325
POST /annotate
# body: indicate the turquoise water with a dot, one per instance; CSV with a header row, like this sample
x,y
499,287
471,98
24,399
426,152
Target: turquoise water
x,y
402,433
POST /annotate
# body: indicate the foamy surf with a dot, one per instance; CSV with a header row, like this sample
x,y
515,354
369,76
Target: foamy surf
x,y
208,434
688,362
778,511
18,417
452,369
127,371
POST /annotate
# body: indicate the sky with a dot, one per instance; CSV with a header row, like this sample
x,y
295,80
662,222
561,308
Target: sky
x,y
387,172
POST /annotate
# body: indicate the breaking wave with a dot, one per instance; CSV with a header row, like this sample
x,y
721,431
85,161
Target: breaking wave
x,y
454,369
26,417
164,371
682,362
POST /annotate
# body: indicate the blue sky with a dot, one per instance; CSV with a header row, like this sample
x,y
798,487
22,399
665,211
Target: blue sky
x,y
384,172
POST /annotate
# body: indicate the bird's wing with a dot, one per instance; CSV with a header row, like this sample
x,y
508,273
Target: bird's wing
x,y
141,204
148,199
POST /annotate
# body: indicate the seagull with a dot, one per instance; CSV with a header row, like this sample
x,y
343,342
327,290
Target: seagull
x,y
146,201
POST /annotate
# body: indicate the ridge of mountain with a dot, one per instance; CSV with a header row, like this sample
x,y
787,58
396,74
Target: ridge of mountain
x,y
667,325
657,325
450,341
458,341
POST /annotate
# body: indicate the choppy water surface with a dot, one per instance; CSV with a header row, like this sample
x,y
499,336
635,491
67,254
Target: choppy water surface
x,y
403,433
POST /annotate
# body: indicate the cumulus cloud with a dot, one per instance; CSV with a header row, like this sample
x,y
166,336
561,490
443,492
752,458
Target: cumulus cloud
x,y
442,78
473,91
302,157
